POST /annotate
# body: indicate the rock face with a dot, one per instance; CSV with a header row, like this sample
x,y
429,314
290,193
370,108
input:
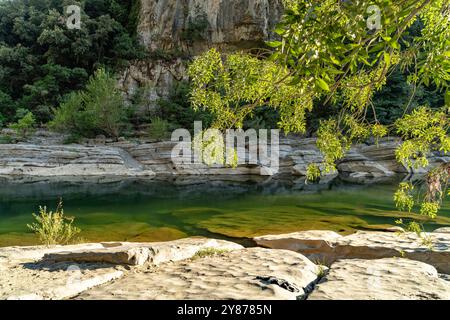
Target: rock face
x,y
328,247
244,274
62,272
378,161
157,157
371,162
174,30
363,164
382,279
60,160
166,24
442,230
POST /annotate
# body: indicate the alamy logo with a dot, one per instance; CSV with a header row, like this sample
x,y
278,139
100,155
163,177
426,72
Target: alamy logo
x,y
73,13
232,148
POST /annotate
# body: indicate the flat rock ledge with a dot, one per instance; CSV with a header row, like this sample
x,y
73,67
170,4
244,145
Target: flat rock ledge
x,y
141,253
254,273
206,269
19,160
327,246
62,272
381,279
442,230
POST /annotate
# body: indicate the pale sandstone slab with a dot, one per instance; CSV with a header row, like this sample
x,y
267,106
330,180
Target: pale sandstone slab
x,y
55,282
23,276
442,230
254,273
141,253
68,160
327,246
21,254
61,272
40,159
381,279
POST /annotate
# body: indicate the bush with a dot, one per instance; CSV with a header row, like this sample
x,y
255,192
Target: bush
x,y
67,118
54,228
24,126
159,129
99,109
72,138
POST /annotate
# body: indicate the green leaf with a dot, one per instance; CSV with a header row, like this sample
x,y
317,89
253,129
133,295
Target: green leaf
x,y
279,30
274,44
322,84
365,61
334,60
377,47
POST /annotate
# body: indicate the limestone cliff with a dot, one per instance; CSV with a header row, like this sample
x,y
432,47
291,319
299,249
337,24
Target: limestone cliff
x,y
175,30
194,25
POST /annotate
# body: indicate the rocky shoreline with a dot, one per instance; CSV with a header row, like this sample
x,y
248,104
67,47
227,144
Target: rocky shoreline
x,y
314,265
44,156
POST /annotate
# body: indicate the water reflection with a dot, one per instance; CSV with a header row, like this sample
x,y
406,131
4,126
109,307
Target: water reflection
x,y
223,207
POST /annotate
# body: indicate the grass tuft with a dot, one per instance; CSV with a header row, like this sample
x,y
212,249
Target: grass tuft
x,y
209,252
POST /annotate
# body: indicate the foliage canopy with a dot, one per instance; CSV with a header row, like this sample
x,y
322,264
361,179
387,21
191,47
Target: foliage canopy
x,y
41,60
341,53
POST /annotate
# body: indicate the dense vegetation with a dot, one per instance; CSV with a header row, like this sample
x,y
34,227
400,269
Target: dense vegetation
x,y
41,60
42,63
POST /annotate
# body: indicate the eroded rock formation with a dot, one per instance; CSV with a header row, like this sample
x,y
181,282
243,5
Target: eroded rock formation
x,y
175,30
363,163
237,275
328,246
381,279
61,272
200,268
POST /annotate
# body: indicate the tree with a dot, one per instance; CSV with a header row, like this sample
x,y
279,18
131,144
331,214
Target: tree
x,y
341,53
24,125
98,109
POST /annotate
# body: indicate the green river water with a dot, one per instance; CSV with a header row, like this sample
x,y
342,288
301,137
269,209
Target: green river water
x,y
160,211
